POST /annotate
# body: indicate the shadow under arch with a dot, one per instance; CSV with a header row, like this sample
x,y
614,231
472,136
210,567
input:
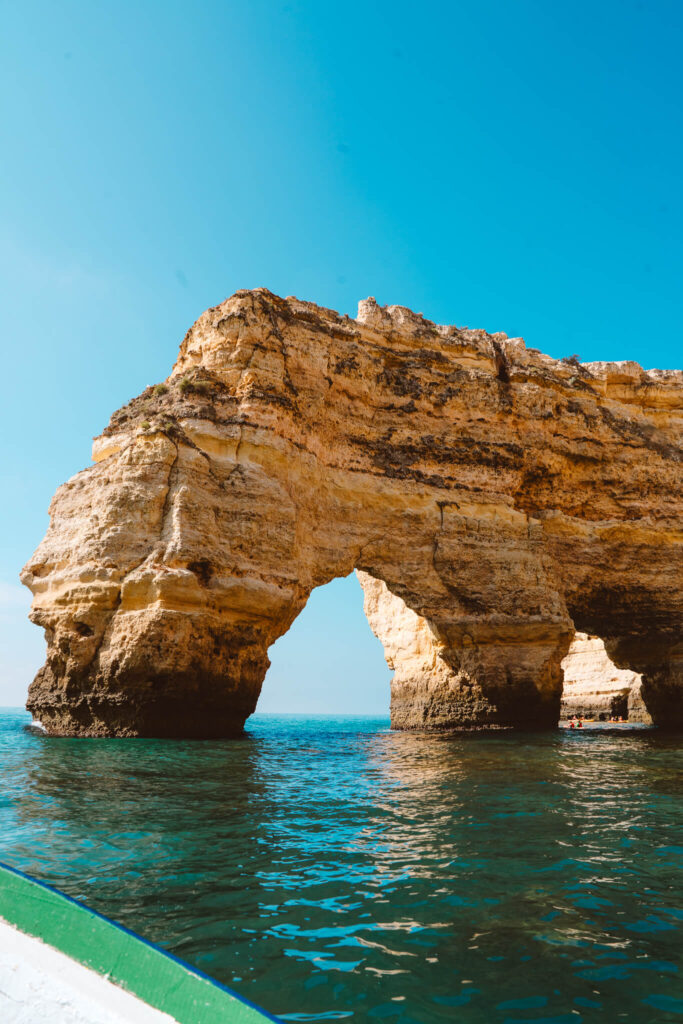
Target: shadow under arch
x,y
634,620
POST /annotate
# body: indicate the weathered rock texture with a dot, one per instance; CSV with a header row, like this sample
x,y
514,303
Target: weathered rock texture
x,y
425,683
505,498
595,687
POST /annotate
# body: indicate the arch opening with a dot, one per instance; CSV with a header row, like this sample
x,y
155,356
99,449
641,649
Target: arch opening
x,y
595,689
329,662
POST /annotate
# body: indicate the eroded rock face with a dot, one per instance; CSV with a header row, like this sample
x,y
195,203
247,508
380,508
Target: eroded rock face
x,y
475,685
502,497
596,688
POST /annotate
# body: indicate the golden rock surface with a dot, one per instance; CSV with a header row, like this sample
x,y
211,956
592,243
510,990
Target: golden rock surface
x,y
504,498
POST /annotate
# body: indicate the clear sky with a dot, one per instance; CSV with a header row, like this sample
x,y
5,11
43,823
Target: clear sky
x,y
507,164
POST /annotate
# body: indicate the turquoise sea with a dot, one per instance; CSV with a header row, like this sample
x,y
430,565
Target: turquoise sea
x,y
329,869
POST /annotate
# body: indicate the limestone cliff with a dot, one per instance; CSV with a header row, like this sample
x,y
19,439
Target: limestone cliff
x,y
504,497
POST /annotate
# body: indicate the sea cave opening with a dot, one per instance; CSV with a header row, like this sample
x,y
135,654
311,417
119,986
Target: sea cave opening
x,y
329,662
595,689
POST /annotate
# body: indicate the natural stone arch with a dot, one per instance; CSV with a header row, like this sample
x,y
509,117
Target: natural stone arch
x,y
504,497
595,688
625,587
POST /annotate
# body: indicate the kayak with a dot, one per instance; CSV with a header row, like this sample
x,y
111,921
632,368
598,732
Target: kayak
x,y
62,961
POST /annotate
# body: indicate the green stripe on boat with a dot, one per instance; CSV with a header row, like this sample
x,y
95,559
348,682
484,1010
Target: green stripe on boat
x,y
129,961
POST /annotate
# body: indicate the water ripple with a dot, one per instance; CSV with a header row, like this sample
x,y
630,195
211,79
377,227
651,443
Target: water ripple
x,y
332,870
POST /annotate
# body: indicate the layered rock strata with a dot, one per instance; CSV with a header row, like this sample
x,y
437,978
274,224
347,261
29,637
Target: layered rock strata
x,y
503,497
595,688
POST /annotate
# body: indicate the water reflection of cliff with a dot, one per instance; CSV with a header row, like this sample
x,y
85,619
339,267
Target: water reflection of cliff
x,y
139,829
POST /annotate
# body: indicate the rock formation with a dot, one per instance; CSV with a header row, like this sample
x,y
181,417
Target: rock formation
x,y
504,499
596,688
592,684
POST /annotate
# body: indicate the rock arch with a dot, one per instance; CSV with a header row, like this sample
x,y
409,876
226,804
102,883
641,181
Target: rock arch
x,y
595,688
504,497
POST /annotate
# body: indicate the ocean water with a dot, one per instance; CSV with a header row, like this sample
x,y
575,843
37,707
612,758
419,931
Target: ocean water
x,y
329,869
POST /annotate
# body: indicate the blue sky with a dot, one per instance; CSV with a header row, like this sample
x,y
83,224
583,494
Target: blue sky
x,y
507,164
